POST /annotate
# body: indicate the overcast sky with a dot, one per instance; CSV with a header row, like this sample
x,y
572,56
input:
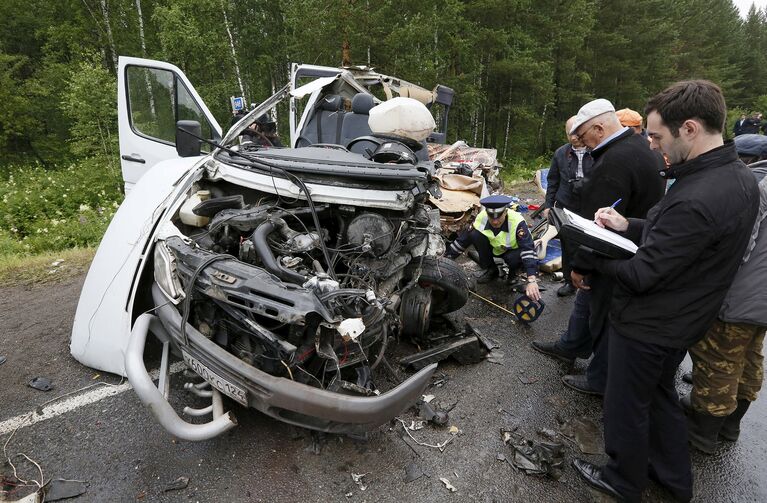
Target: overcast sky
x,y
744,5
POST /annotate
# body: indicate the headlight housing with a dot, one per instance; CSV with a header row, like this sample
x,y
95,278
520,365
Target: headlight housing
x,y
165,273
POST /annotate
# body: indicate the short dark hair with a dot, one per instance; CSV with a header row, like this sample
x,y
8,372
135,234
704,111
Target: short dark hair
x,y
690,99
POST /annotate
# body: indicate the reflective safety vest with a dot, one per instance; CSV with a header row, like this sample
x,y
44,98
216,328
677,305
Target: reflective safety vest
x,y
503,240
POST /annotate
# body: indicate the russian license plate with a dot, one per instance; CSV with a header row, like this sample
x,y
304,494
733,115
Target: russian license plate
x,y
231,390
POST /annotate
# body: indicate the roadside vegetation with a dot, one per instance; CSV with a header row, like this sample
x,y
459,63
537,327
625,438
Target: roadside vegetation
x,y
519,69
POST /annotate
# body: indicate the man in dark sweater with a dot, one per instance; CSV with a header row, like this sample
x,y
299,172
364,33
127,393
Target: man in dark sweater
x,y
668,294
625,170
570,164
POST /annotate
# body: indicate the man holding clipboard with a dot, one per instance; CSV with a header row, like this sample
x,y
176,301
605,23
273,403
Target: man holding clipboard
x,y
669,292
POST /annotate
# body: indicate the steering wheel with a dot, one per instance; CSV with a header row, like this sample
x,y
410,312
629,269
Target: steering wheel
x,y
372,139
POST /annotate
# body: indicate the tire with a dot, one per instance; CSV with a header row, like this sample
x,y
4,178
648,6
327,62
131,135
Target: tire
x,y
447,280
415,312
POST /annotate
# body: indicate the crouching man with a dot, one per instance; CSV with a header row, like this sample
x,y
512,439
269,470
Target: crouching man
x,y
499,231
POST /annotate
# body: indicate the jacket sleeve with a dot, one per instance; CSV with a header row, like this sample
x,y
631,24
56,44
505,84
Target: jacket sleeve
x,y
527,249
553,180
676,240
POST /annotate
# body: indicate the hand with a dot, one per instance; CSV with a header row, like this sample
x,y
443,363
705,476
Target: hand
x,y
546,213
579,281
609,218
533,292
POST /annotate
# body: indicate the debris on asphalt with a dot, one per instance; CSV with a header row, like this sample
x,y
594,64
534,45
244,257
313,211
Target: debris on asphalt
x,y
41,383
496,357
60,489
448,485
549,434
358,479
432,414
441,446
501,457
454,430
416,425
413,472
527,380
585,433
535,458
2,359
176,485
428,398
466,350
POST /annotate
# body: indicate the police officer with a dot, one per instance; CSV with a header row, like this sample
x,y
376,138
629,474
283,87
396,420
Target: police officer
x,y
499,231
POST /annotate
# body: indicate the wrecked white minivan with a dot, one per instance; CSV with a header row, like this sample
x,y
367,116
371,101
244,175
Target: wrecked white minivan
x,y
277,274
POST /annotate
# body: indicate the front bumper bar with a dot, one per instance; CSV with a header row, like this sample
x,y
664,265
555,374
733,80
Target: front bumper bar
x,y
287,400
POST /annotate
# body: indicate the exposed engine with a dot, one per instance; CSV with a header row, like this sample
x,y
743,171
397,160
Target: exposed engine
x,y
314,292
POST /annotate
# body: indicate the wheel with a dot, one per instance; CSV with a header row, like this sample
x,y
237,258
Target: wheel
x,y
415,312
447,280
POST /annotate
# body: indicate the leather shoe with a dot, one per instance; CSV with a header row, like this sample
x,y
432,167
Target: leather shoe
x,y
553,349
592,474
566,290
487,275
581,383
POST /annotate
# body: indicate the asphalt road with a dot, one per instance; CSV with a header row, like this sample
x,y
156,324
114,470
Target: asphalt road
x,y
113,444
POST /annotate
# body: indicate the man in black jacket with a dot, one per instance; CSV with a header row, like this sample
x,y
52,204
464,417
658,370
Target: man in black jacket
x,y
570,164
668,294
626,171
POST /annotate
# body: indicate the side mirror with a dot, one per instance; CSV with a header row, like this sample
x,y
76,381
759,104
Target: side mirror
x,y
186,144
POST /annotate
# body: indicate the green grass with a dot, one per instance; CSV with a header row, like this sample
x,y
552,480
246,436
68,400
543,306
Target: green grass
x,y
44,267
515,171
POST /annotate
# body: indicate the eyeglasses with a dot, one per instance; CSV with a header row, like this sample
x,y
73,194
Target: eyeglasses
x,y
580,136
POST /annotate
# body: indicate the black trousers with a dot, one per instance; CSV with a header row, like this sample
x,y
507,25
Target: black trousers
x,y
645,427
512,258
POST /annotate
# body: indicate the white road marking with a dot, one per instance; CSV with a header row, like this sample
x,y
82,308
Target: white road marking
x,y
75,402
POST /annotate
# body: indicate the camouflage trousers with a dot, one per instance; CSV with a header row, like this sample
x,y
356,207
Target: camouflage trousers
x,y
727,366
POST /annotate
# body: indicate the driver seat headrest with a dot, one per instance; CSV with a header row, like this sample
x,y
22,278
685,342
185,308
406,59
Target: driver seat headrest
x,y
332,103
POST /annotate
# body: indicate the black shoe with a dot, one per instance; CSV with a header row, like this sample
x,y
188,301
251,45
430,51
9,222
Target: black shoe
x,y
730,430
687,377
581,383
703,430
553,349
566,290
488,275
592,474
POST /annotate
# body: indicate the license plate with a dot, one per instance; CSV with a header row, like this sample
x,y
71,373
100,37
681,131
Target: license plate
x,y
231,390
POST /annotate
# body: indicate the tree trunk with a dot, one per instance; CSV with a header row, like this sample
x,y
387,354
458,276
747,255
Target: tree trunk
x,y
148,83
108,28
234,52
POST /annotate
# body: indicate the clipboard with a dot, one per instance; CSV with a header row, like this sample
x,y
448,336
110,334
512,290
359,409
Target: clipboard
x,y
588,234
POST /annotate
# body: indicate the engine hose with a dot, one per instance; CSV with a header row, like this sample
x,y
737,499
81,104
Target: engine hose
x,y
382,351
261,246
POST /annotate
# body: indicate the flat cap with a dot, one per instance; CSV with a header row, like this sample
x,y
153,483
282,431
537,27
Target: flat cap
x,y
590,110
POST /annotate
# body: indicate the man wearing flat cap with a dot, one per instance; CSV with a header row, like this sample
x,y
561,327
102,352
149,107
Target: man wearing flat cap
x,y
499,231
626,175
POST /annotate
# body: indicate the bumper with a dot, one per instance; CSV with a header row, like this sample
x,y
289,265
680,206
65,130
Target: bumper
x,y
289,401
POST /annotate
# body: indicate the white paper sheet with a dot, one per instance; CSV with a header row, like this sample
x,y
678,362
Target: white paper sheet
x,y
592,229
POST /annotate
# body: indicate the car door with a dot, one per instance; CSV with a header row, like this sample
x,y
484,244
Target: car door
x,y
151,97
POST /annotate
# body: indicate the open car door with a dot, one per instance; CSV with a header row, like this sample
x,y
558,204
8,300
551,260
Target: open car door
x,y
151,97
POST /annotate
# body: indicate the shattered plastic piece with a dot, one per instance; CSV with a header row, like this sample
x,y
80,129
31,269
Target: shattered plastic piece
x,y
357,478
59,489
586,435
41,383
454,430
426,398
496,357
535,458
413,472
179,483
351,328
501,457
448,485
3,359
432,414
349,494
416,425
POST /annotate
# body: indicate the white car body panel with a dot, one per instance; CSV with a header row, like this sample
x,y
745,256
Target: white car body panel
x,y
102,325
139,147
389,199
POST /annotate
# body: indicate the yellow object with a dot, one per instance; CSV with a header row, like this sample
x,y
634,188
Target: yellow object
x,y
503,240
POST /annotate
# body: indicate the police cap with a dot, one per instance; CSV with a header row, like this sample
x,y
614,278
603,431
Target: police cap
x,y
495,205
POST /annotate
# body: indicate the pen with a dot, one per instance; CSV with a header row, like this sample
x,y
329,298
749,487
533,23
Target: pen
x,y
616,203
